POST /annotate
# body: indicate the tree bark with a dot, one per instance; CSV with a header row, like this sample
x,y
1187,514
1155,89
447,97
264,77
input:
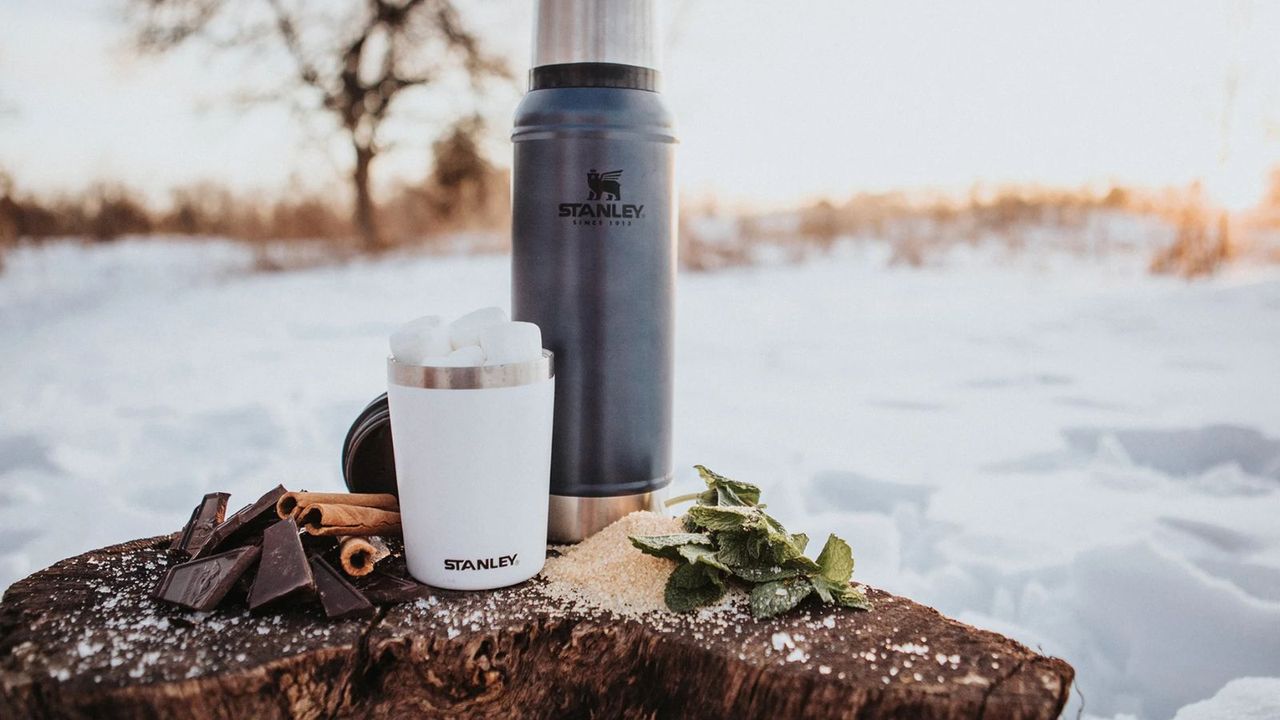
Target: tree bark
x,y
366,214
82,639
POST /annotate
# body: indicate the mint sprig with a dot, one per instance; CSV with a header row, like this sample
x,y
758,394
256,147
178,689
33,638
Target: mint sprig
x,y
668,546
731,538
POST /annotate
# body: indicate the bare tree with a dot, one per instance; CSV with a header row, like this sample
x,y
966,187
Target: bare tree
x,y
352,66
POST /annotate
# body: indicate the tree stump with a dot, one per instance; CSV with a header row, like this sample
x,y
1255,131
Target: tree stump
x,y
83,639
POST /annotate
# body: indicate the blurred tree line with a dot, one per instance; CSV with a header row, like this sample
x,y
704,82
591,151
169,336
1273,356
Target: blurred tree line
x,y
462,191
350,63
1184,232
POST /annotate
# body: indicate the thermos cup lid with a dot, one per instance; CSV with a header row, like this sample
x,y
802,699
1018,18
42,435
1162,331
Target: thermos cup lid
x,y
368,458
623,32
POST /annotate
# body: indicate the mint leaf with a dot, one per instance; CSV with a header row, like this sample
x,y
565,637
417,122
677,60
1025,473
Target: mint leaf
x,y
826,589
782,545
723,491
739,549
692,586
750,557
689,525
709,476
764,573
835,562
733,548
717,518
800,562
852,598
779,596
698,554
667,546
839,593
774,528
748,536
726,496
782,550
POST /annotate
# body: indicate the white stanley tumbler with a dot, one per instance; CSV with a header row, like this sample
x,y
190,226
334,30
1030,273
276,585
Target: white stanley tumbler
x,y
473,464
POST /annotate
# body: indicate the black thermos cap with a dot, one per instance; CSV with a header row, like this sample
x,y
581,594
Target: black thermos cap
x,y
368,460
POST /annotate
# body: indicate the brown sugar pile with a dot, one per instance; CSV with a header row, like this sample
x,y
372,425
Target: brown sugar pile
x,y
606,572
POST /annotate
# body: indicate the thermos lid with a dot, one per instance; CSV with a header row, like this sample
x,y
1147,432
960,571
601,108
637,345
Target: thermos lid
x,y
368,460
623,32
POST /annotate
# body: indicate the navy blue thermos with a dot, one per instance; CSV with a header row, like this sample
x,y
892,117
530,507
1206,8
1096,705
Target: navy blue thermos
x,y
594,253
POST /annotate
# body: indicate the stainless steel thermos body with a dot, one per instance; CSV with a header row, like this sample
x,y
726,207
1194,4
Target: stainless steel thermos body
x,y
593,264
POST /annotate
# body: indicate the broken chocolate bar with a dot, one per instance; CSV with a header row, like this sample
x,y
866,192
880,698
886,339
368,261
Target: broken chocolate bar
x,y
243,524
385,589
340,598
205,517
201,584
283,572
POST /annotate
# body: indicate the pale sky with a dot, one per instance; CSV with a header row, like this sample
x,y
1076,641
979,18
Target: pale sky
x,y
777,102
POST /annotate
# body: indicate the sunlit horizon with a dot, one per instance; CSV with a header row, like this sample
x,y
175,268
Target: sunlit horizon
x,y
775,107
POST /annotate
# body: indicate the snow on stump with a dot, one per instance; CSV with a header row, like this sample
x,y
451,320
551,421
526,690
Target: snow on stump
x,y
83,639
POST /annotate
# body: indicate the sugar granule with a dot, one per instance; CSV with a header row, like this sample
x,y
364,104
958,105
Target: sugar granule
x,y
607,572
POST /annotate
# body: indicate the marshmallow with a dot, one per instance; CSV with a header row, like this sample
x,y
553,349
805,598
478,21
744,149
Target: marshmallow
x,y
468,355
419,339
466,330
511,342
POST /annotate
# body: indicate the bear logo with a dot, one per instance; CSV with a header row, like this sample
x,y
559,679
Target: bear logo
x,y
607,183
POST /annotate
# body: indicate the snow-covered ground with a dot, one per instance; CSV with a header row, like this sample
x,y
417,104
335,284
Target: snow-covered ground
x,y
1066,450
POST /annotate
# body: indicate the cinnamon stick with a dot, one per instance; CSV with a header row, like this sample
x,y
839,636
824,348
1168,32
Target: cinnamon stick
x,y
329,520
291,504
358,555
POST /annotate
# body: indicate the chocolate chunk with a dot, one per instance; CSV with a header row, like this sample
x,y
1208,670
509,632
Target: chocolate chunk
x,y
204,518
284,573
244,524
201,584
385,589
324,546
340,598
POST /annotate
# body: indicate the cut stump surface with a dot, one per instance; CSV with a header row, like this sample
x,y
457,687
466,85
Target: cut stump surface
x,y
82,639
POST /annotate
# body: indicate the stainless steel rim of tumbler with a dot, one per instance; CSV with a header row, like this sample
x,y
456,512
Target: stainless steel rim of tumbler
x,y
472,378
574,519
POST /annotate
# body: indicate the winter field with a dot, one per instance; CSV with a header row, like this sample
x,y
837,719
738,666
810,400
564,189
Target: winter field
x,y
1061,448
